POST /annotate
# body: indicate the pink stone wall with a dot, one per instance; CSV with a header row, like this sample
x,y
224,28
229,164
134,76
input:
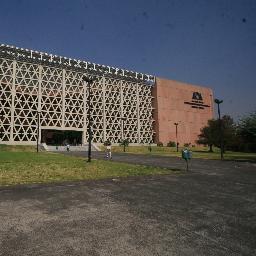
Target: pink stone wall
x,y
170,108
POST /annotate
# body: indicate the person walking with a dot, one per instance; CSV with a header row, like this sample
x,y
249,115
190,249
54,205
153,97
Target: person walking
x,y
109,153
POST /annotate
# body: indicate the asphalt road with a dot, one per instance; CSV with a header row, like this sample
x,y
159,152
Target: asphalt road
x,y
207,211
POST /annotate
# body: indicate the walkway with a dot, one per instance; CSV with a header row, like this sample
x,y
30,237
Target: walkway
x,y
209,210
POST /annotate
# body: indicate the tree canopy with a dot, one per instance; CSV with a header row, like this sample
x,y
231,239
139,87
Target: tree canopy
x,y
246,130
210,134
237,137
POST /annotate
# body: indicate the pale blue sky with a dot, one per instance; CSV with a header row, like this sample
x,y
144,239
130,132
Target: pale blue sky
x,y
209,43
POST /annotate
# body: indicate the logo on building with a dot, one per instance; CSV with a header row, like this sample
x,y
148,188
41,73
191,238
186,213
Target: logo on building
x,y
197,96
197,101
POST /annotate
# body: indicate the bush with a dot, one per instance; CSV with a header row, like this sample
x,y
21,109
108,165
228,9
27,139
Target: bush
x,y
160,144
171,144
187,145
124,143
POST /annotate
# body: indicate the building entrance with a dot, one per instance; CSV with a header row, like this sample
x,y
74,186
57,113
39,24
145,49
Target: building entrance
x,y
57,137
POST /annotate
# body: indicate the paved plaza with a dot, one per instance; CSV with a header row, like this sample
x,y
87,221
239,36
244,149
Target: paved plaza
x,y
209,210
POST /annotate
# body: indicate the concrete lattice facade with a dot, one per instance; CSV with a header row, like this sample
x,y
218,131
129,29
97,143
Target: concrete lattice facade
x,y
125,104
32,82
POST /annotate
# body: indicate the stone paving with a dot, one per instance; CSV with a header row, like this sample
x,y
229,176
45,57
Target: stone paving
x,y
209,210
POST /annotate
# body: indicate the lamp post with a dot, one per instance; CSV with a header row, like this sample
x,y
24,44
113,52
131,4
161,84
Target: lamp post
x,y
89,82
177,143
38,128
124,142
218,102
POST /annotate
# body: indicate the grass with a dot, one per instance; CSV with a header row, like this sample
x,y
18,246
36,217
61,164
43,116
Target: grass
x,y
199,152
32,167
17,148
22,165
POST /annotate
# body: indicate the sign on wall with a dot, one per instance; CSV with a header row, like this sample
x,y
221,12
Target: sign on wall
x,y
197,101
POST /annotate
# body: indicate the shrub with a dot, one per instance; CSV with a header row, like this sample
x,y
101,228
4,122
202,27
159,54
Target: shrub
x,y
187,145
124,142
159,144
171,144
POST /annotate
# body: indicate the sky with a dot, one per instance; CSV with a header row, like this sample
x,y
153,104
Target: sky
x,y
207,43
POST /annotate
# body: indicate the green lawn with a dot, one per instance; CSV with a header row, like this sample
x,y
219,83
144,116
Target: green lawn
x,y
21,164
199,152
32,167
17,148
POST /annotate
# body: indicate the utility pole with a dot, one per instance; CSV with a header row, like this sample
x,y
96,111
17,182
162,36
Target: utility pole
x,y
177,143
89,83
38,131
124,141
218,102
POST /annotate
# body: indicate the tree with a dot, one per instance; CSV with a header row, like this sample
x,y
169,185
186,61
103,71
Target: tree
x,y
229,133
246,130
124,143
171,144
210,134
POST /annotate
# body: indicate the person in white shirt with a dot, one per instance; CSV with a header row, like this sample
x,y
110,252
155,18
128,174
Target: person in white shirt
x,y
109,154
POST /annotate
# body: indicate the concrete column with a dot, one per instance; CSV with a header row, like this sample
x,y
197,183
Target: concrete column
x,y
122,110
40,100
84,140
63,98
104,108
138,111
13,98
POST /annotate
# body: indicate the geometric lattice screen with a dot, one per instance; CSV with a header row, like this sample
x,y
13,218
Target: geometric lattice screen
x,y
25,102
6,81
120,108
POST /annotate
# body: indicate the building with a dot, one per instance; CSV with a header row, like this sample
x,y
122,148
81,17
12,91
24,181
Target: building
x,y
188,106
41,94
